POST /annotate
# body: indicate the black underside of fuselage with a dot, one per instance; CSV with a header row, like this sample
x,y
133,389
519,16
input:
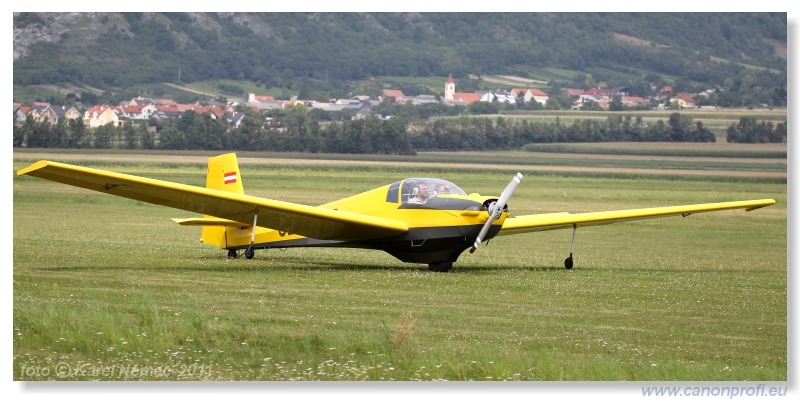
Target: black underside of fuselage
x,y
418,245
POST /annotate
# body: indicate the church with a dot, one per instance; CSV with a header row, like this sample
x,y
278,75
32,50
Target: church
x,y
451,97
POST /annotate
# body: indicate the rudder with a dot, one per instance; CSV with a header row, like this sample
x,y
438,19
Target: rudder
x,y
223,174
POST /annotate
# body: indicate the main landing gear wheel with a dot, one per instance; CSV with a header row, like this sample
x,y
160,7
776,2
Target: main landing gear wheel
x,y
569,262
232,254
440,267
249,252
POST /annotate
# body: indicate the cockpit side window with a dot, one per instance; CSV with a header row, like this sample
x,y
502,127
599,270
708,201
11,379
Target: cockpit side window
x,y
394,192
408,190
420,190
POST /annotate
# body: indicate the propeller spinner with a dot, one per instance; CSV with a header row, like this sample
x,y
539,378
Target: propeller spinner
x,y
496,208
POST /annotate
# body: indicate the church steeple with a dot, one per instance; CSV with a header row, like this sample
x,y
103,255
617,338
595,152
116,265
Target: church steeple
x,y
449,88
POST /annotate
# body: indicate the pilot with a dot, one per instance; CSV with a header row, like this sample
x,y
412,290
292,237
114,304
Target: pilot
x,y
420,194
441,189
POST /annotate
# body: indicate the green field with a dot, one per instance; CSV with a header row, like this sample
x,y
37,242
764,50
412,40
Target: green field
x,y
717,121
107,288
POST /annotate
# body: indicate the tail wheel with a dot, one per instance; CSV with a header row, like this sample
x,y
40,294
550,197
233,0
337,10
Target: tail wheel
x,y
249,252
568,263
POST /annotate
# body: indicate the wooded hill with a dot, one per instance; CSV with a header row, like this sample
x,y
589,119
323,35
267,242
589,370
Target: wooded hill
x,y
328,51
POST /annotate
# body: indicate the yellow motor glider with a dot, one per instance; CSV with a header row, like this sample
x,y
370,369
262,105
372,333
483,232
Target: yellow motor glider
x,y
416,220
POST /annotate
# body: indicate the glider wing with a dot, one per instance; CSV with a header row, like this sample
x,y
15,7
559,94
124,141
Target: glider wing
x,y
551,221
308,221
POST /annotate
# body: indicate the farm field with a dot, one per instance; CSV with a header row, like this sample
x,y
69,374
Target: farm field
x,y
717,121
107,288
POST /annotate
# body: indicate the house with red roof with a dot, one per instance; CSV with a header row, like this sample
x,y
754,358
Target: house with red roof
x,y
134,111
100,115
631,101
539,95
466,98
684,100
573,92
214,110
398,95
166,102
167,112
259,98
530,93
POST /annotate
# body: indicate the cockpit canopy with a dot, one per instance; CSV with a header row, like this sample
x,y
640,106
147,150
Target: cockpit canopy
x,y
417,190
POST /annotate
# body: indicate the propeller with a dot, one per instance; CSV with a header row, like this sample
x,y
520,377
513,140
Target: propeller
x,y
496,208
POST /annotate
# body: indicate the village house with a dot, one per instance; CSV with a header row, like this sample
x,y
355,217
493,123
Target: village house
x,y
465,98
361,108
259,98
20,112
423,99
684,100
215,111
167,112
631,101
397,95
506,97
135,111
65,112
539,96
100,115
165,102
235,118
573,92
529,94
261,103
42,113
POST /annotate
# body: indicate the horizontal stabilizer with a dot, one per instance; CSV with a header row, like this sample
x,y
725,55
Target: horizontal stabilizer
x,y
219,222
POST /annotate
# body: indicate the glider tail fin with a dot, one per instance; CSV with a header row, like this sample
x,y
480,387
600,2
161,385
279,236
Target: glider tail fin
x,y
223,174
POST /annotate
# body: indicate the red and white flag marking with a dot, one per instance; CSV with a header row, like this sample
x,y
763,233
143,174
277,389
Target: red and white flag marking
x,y
230,177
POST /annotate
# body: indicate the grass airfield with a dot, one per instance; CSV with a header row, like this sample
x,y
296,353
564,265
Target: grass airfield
x,y
107,288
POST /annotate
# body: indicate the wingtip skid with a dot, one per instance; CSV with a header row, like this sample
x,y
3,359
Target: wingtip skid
x,y
763,203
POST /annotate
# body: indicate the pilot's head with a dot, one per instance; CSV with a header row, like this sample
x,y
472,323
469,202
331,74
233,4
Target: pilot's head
x,y
422,190
441,188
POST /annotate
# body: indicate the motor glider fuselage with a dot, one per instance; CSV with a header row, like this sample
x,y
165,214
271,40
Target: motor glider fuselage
x,y
441,226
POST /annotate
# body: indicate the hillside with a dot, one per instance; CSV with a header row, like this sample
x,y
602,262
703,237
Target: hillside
x,y
327,50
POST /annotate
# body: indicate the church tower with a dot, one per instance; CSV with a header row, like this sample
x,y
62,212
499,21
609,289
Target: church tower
x,y
449,89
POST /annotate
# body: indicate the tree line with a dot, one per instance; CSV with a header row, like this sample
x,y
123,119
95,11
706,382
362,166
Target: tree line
x,y
748,130
295,131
